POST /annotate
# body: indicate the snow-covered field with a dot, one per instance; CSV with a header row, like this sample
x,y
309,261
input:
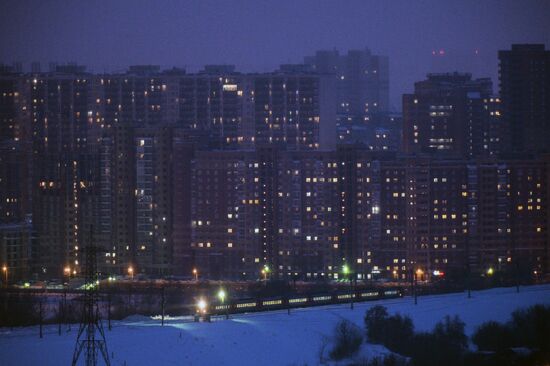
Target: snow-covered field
x,y
256,339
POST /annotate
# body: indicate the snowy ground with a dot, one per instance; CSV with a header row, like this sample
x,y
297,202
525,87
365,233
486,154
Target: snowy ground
x,y
256,339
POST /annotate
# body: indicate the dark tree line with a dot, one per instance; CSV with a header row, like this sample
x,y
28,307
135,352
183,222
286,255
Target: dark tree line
x,y
524,340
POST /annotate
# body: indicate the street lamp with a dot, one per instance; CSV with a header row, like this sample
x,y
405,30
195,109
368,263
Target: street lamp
x,y
347,273
419,272
265,271
5,270
67,271
221,295
345,269
131,272
196,274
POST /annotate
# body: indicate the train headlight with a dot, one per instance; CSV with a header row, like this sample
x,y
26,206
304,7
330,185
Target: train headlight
x,y
201,306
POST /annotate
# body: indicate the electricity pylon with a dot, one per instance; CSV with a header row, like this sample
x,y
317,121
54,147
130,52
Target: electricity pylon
x,y
91,337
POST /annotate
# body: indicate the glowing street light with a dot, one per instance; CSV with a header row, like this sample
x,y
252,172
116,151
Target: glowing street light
x,y
221,295
67,271
131,272
419,272
5,270
347,273
345,269
265,271
490,271
196,274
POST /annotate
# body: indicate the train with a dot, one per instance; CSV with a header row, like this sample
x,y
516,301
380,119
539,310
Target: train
x,y
205,310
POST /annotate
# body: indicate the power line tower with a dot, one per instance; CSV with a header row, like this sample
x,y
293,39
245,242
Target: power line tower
x,y
91,337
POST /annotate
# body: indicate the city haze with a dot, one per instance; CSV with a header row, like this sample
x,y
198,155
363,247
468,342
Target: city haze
x,y
258,36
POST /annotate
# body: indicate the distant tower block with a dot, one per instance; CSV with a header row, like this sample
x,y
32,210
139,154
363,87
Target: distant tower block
x,y
35,67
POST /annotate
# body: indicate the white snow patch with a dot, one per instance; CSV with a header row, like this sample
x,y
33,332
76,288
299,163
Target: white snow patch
x,y
256,339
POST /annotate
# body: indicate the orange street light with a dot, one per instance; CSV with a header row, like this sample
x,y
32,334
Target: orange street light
x,y
5,270
419,272
131,272
196,274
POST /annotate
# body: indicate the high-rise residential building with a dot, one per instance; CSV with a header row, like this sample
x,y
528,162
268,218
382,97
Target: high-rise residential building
x,y
216,109
267,207
47,162
14,151
362,92
229,172
362,81
64,167
17,241
524,73
306,214
144,200
385,134
508,225
226,214
295,110
141,96
486,132
452,114
137,111
136,199
16,233
116,202
219,108
153,199
213,109
182,157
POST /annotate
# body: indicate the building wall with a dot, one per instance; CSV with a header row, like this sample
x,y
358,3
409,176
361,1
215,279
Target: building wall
x,y
230,172
446,115
16,242
524,83
381,215
362,80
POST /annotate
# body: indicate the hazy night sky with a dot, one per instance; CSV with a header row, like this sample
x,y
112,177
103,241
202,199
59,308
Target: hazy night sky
x,y
259,35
